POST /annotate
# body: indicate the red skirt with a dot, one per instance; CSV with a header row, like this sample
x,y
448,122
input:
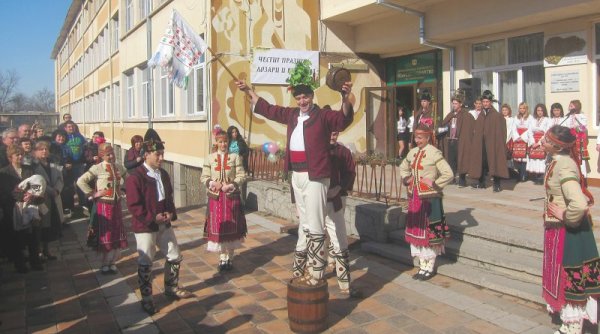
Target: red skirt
x,y
225,221
111,232
519,147
538,152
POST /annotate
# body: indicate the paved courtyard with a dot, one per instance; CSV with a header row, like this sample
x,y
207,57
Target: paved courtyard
x,y
71,296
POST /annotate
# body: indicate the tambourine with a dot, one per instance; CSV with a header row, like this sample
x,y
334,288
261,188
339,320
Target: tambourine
x,y
336,77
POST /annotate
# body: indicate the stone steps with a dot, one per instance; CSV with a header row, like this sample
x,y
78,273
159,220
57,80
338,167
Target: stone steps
x,y
496,239
488,279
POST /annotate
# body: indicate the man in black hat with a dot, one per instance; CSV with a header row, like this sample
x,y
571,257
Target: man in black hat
x,y
150,202
488,146
424,115
307,155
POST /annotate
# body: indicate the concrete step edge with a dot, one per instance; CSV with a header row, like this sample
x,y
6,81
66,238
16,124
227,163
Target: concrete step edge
x,y
463,272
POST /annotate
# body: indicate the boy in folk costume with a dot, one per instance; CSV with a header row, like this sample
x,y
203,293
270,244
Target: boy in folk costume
x,y
454,145
223,174
424,114
307,156
150,202
426,173
343,173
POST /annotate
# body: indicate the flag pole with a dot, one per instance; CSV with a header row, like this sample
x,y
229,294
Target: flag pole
x,y
218,57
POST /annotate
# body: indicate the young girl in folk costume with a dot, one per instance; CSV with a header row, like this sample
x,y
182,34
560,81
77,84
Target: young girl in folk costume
x,y
571,266
557,114
520,137
578,122
223,174
426,173
538,125
108,179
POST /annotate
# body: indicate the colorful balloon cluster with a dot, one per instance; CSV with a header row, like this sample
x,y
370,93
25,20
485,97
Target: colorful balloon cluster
x,y
271,149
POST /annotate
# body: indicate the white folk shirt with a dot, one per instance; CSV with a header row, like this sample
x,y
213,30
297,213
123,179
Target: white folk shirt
x,y
297,137
155,174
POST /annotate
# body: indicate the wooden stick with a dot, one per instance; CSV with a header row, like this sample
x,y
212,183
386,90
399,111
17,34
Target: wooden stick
x,y
222,63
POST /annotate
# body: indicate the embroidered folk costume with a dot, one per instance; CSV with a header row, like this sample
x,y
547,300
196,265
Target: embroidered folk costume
x,y
536,161
150,202
343,173
571,266
225,227
426,173
307,156
106,194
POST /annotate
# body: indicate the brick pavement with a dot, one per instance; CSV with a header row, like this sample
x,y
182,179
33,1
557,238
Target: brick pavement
x,y
70,296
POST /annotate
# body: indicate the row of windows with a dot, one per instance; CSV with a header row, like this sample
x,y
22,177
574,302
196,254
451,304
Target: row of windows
x,y
144,8
141,95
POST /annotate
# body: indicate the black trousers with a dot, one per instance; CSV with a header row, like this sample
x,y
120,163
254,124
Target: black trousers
x,y
453,154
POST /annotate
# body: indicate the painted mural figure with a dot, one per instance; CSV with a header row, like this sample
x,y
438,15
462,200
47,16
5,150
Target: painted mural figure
x,y
307,156
571,267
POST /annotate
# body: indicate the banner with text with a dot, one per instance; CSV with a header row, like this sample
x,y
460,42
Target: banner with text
x,y
272,66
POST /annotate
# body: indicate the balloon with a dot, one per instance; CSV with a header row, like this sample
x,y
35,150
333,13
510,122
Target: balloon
x,y
279,144
265,147
273,148
272,157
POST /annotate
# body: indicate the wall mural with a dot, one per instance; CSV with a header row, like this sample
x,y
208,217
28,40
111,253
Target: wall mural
x,y
240,27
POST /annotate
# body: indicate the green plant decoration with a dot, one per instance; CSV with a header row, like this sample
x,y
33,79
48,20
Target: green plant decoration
x,y
302,74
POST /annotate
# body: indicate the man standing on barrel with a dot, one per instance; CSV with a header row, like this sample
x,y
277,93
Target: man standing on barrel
x,y
307,156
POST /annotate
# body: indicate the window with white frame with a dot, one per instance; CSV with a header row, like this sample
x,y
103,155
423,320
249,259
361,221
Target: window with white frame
x,y
166,95
145,8
128,15
512,68
116,102
146,90
196,96
115,34
130,96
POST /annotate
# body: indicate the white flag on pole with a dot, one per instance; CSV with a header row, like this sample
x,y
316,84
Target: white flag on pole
x,y
179,50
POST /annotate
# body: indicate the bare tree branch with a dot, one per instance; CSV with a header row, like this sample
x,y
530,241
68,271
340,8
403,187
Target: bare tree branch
x,y
8,84
43,100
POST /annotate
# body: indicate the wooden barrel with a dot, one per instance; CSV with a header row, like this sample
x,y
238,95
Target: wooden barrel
x,y
307,307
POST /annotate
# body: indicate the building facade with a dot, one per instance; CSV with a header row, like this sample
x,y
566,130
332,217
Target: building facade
x,y
545,52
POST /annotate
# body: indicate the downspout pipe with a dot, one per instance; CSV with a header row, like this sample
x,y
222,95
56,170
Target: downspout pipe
x,y
422,39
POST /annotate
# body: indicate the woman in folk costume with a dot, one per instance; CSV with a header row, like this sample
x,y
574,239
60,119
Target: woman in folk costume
x,y
108,179
557,114
571,266
578,122
426,173
538,125
223,174
520,137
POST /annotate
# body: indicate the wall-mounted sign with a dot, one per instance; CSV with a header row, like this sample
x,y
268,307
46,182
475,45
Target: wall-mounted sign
x,y
565,49
564,82
412,69
272,66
